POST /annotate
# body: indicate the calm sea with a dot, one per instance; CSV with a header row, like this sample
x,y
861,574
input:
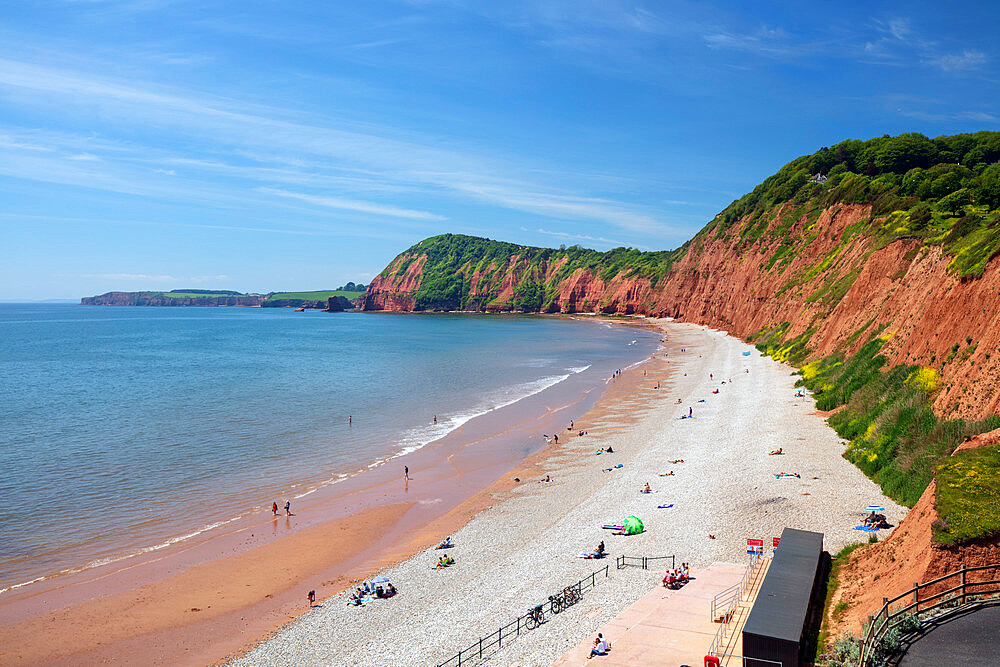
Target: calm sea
x,y
123,429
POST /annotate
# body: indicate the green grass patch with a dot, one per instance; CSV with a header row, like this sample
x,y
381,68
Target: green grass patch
x,y
968,496
894,436
198,294
832,583
319,295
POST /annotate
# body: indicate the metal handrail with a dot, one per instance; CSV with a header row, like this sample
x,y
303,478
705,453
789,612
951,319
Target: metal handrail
x,y
734,594
514,628
877,629
622,562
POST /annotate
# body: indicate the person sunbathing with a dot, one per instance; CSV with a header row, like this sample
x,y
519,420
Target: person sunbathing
x,y
775,452
676,461
441,563
647,489
445,543
666,474
715,391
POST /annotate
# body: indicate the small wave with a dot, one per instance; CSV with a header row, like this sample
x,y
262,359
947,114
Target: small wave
x,y
419,437
120,557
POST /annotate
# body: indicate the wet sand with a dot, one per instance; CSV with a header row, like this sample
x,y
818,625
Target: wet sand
x,y
207,599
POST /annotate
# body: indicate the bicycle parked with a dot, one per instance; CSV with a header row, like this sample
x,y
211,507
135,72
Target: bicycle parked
x,y
535,617
566,598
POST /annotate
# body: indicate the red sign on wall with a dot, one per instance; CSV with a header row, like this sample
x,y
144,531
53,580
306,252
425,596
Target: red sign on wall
x,y
774,541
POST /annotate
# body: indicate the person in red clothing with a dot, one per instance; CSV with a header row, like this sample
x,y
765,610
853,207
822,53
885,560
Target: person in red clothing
x,y
274,509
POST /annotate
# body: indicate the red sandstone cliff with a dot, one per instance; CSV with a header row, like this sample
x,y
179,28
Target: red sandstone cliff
x,y
844,285
909,555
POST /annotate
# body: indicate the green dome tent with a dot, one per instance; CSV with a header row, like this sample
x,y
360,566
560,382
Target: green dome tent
x,y
633,526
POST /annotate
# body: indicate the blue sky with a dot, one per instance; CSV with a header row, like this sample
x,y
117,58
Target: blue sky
x,y
263,146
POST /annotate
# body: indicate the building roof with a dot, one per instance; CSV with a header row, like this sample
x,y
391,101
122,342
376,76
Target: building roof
x,y
783,601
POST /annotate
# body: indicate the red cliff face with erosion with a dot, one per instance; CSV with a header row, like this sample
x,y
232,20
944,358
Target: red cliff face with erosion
x,y
845,288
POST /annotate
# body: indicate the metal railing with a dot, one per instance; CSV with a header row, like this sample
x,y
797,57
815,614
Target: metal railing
x,y
514,628
886,617
622,562
724,604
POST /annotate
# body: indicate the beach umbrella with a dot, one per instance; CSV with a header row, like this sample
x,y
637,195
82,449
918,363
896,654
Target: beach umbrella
x,y
380,580
633,526
874,508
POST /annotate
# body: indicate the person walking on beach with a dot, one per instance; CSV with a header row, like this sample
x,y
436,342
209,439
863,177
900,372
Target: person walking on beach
x,y
288,508
406,473
690,412
311,596
274,509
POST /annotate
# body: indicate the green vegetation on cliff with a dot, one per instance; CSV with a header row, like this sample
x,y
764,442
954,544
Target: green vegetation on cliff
x,y
198,293
967,496
452,260
945,191
885,414
320,295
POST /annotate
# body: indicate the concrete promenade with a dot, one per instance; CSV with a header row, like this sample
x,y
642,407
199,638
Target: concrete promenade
x,y
664,627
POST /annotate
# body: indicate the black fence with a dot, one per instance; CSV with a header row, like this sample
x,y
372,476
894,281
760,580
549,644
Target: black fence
x,y
513,629
645,561
957,591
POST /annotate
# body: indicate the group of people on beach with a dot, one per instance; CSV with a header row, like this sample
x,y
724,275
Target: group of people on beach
x,y
444,561
288,508
677,577
368,591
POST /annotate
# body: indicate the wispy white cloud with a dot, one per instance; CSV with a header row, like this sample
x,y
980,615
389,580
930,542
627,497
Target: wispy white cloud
x,y
967,59
283,145
766,41
355,205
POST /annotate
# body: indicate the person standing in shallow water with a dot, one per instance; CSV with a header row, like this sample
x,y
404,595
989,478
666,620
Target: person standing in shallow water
x,y
274,509
288,508
406,473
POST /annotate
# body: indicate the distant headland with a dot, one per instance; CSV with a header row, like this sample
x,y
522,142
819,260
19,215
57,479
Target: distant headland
x,y
340,299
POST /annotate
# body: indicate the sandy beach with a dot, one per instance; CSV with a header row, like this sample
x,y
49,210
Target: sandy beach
x,y
515,553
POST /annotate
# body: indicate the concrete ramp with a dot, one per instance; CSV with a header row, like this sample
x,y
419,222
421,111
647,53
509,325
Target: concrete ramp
x,y
663,627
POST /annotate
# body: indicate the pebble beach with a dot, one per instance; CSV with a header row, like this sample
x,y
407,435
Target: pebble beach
x,y
526,547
